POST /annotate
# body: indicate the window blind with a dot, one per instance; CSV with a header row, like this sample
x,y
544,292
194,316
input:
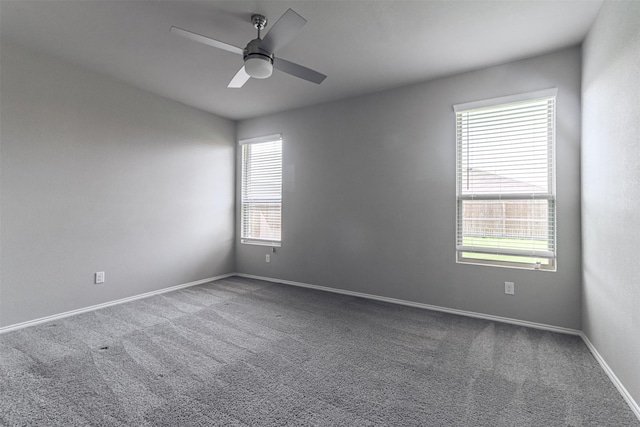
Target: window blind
x,y
505,179
261,190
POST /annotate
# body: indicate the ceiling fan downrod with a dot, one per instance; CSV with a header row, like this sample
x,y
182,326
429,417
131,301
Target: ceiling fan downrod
x,y
258,62
258,55
259,22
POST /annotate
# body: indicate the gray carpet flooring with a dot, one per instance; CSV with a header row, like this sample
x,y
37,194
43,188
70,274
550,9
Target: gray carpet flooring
x,y
240,352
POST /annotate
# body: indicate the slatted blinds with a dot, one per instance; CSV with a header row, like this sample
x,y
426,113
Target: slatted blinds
x,y
505,180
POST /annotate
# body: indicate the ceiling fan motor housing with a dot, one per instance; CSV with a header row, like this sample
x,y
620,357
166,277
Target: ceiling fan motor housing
x,y
257,61
258,55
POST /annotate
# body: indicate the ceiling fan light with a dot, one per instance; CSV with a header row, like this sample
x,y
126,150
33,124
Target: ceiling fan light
x,y
258,67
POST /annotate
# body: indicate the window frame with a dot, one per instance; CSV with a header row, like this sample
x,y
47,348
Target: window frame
x,y
475,257
246,144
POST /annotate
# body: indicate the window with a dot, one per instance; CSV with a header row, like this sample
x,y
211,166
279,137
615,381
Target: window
x,y
261,198
505,181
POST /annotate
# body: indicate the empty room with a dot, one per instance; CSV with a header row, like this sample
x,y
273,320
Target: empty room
x,y
322,213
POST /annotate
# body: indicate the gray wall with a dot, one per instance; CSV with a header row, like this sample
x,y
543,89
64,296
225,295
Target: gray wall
x,y
369,196
611,189
99,176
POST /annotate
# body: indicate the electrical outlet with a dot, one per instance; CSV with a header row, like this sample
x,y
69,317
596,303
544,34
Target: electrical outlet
x,y
100,277
267,257
509,288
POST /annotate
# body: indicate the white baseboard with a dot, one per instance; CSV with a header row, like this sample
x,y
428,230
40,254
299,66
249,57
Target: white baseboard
x,y
614,379
421,305
612,376
108,304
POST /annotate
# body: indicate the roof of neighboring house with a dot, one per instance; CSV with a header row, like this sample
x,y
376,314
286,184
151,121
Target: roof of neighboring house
x,y
481,181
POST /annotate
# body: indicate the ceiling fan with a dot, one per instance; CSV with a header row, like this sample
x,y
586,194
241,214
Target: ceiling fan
x,y
259,59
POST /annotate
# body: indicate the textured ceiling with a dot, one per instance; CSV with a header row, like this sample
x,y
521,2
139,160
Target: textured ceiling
x,y
362,46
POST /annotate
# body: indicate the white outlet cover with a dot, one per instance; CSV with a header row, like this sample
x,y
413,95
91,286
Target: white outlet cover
x,y
509,288
100,277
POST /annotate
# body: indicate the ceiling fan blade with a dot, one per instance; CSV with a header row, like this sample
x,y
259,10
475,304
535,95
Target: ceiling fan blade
x,y
239,79
298,70
206,40
283,31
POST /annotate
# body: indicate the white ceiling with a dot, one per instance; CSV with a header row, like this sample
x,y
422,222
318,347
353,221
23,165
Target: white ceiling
x,y
362,46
